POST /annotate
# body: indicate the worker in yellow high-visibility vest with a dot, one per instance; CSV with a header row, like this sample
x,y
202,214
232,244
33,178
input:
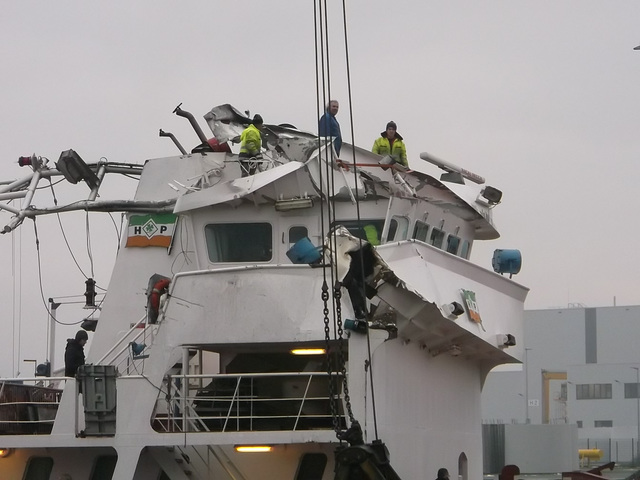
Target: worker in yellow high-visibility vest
x,y
250,146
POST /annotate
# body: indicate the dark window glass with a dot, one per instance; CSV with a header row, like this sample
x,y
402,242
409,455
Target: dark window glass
x,y
311,466
579,423
437,237
297,233
464,251
603,423
38,468
453,243
239,242
393,228
630,390
420,231
104,467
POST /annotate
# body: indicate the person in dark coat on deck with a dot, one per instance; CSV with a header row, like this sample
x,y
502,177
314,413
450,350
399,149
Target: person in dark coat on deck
x,y
74,353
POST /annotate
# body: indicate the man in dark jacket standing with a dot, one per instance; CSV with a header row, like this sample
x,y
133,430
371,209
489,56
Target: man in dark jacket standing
x,y
74,353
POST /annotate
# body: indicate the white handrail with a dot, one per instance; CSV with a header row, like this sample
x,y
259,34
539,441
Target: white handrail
x,y
124,337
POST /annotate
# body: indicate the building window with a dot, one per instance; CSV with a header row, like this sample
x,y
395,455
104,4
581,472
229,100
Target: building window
x,y
579,423
239,242
563,392
631,390
603,423
593,391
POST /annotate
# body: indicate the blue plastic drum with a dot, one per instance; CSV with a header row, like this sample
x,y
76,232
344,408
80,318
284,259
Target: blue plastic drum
x,y
303,251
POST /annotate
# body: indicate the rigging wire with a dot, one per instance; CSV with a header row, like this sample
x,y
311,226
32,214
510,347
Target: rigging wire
x,y
355,178
64,237
323,83
51,184
44,302
324,141
321,19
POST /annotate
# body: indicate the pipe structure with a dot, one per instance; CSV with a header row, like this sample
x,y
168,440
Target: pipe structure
x,y
175,140
183,113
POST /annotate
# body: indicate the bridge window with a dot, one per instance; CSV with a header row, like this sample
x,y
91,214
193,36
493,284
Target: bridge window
x,y
453,243
239,242
464,251
420,231
297,233
437,237
398,228
368,230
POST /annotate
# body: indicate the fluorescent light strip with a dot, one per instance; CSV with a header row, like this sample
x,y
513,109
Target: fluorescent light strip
x,y
308,351
253,448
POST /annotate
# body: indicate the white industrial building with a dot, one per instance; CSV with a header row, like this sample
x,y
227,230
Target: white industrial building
x,y
581,368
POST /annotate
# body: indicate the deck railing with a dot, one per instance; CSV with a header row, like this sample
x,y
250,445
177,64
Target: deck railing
x,y
29,405
249,402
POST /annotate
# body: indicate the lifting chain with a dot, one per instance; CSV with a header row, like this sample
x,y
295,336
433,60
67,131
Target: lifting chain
x,y
330,360
337,295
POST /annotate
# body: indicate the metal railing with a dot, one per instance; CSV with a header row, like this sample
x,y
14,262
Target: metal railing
x,y
29,405
248,402
120,354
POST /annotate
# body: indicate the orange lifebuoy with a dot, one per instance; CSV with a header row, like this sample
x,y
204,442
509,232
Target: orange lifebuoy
x,y
159,289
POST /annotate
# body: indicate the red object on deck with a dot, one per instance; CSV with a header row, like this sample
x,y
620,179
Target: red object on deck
x,y
219,147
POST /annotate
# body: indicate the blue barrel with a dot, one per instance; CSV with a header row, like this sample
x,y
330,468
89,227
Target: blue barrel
x,y
506,261
303,251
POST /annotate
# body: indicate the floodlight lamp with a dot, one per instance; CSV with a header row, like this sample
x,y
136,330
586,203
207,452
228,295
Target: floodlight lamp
x,y
5,452
293,204
492,195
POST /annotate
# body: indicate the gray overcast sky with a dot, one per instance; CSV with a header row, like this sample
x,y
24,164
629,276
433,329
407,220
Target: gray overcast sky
x,y
542,98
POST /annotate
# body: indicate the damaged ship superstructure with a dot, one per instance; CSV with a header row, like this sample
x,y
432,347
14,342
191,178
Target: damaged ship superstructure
x,y
283,308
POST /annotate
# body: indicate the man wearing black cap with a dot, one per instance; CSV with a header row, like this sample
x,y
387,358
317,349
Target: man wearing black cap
x,y
390,143
74,353
250,144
